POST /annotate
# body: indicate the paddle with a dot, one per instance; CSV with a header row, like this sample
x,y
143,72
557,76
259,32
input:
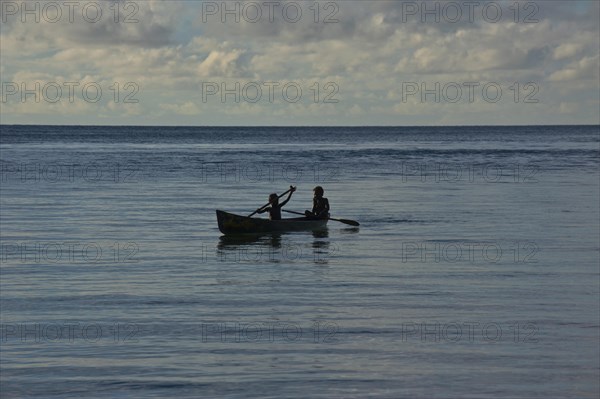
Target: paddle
x,y
346,221
268,203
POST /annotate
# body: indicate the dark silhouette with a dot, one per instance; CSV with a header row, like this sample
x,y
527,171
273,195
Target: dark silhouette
x,y
320,208
275,208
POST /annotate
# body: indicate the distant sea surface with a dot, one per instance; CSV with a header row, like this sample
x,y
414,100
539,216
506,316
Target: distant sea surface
x,y
474,272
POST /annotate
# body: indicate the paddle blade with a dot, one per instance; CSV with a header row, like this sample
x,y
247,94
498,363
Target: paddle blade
x,y
350,222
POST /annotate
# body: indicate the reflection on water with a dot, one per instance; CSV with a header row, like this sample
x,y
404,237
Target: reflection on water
x,y
321,246
320,234
276,247
234,241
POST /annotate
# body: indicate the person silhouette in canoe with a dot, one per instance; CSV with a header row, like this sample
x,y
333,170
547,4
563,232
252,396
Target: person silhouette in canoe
x,y
275,208
320,208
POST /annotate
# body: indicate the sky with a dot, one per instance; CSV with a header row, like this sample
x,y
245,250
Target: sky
x,y
300,62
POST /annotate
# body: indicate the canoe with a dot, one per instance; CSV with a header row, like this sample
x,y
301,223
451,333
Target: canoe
x,y
230,223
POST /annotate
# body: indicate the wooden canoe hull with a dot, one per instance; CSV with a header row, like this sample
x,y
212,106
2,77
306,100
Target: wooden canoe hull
x,y
230,223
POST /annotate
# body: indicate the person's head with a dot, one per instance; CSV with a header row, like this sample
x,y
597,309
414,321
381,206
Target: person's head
x,y
273,199
318,191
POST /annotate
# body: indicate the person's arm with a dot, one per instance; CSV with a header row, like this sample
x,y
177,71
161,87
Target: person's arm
x,y
267,209
287,199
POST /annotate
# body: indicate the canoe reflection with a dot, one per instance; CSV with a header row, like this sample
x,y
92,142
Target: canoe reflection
x,y
321,239
320,246
233,241
275,248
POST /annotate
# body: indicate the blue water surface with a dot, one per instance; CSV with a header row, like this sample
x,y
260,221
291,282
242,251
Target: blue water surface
x,y
474,273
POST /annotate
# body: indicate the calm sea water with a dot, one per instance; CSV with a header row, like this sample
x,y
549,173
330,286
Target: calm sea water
x,y
474,273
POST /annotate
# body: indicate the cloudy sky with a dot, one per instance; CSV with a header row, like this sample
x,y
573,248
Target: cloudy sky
x,y
300,62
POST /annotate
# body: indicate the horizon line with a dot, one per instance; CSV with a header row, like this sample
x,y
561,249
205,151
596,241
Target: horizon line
x,y
280,126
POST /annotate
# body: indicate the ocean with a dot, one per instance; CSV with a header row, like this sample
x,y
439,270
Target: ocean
x,y
475,271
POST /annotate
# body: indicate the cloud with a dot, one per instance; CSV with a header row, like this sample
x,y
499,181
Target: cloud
x,y
567,107
373,48
104,23
585,68
220,63
567,50
187,108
